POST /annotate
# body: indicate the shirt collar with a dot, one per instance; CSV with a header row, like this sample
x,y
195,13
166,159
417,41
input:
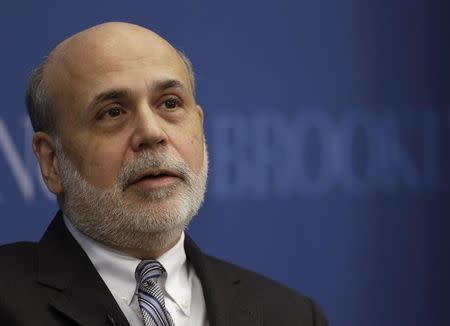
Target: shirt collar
x,y
118,269
178,281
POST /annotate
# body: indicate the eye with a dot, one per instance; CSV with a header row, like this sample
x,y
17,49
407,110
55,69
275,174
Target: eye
x,y
171,103
113,112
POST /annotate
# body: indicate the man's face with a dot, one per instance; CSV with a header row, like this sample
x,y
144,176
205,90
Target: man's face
x,y
130,133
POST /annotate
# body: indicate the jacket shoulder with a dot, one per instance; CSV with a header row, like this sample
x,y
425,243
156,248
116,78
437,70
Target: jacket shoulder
x,y
17,259
274,296
23,248
252,279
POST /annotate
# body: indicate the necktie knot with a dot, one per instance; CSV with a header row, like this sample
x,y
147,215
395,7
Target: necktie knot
x,y
150,295
148,272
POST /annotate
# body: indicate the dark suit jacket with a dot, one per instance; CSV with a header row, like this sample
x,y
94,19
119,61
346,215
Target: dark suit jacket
x,y
53,282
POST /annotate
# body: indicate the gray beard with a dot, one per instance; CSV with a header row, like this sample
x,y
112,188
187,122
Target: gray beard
x,y
107,216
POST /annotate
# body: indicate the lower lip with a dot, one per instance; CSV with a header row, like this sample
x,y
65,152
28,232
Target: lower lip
x,y
156,183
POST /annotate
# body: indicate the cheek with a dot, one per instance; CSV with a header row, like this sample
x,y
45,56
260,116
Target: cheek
x,y
196,154
101,163
190,147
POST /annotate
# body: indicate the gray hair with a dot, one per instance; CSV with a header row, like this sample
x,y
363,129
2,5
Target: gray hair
x,y
39,103
190,69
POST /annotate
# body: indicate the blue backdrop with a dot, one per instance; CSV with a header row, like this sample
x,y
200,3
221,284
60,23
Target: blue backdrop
x,y
328,125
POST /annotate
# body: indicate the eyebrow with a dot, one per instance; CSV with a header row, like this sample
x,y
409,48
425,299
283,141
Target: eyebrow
x,y
121,93
163,85
110,94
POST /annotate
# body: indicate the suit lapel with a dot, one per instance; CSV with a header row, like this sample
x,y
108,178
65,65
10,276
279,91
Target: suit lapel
x,y
81,293
222,292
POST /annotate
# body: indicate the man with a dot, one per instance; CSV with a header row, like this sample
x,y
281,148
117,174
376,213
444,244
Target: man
x,y
119,140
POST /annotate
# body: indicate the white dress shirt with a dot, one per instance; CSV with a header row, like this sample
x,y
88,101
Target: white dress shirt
x,y
182,289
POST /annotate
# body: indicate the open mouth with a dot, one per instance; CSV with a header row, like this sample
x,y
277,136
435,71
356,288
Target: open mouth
x,y
154,179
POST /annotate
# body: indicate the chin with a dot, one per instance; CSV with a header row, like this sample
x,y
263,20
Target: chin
x,y
157,215
160,195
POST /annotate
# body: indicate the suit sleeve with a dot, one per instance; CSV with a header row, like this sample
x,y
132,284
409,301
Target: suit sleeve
x,y
319,318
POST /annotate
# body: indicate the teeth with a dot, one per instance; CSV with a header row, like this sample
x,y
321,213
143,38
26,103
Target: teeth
x,y
152,175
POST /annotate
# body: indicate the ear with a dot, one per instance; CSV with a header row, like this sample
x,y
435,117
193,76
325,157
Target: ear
x,y
200,114
44,149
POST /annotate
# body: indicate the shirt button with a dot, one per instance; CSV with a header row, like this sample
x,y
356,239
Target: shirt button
x,y
184,303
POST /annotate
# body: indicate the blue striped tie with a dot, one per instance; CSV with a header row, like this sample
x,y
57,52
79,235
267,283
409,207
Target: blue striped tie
x,y
150,295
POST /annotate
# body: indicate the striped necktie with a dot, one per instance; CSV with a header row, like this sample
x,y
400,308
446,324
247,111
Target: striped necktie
x,y
150,295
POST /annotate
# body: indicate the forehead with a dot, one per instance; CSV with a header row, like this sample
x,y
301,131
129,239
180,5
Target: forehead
x,y
82,67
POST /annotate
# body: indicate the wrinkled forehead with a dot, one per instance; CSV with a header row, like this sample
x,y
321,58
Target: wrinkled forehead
x,y
99,52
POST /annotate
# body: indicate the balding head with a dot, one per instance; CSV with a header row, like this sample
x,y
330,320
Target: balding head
x,y
78,52
125,154
107,35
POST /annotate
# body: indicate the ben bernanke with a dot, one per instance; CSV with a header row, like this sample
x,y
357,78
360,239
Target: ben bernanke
x,y
119,140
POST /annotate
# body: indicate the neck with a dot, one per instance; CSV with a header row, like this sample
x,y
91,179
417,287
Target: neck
x,y
155,246
141,245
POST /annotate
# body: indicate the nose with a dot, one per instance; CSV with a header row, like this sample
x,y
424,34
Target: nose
x,y
149,131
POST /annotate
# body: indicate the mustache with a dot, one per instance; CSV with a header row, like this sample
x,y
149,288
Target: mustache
x,y
131,170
